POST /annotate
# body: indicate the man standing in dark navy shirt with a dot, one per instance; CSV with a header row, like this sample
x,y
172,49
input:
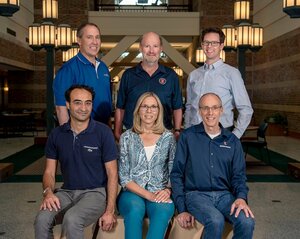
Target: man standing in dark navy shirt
x,y
208,177
86,152
149,76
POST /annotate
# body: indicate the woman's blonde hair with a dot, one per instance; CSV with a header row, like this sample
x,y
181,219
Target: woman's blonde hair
x,y
158,127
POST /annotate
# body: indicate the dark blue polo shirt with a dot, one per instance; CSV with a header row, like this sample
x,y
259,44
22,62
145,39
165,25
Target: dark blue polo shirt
x,y
164,83
79,70
205,164
82,157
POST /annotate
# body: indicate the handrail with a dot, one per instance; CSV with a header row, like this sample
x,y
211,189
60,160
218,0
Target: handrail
x,y
142,8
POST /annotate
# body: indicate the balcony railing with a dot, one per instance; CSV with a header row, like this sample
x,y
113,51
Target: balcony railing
x,y
142,8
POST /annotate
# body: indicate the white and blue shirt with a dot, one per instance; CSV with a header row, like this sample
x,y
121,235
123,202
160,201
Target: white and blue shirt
x,y
153,174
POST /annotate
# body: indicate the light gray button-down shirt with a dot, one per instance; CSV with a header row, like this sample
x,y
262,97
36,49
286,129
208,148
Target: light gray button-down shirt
x,y
225,81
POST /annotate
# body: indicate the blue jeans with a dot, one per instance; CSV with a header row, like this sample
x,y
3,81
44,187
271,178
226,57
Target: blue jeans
x,y
212,208
134,209
80,207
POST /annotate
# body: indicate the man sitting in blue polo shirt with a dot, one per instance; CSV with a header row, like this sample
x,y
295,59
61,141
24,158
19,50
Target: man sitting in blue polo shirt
x,y
86,152
208,176
85,68
149,76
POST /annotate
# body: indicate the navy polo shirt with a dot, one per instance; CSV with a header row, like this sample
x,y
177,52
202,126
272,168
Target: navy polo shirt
x,y
82,157
205,164
164,83
79,70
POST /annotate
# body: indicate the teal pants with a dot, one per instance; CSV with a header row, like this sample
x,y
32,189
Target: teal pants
x,y
134,209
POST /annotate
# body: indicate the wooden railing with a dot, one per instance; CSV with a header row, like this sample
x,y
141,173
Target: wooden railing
x,y
142,8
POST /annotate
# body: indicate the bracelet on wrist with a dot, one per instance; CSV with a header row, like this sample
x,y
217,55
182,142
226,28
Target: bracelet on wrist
x,y
177,130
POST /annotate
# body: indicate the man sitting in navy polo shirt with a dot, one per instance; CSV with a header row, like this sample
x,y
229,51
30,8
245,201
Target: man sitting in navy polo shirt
x,y
208,176
149,76
87,155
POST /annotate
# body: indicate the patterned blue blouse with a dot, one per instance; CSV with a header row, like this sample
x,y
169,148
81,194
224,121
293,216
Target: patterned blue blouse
x,y
152,175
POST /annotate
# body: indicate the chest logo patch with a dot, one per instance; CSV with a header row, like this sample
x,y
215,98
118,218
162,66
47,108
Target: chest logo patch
x,y
162,81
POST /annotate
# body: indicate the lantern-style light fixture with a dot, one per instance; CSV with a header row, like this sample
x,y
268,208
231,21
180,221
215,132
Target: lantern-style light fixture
x,y
292,8
230,39
241,10
64,36
257,37
244,34
50,9
35,36
9,7
48,34
200,56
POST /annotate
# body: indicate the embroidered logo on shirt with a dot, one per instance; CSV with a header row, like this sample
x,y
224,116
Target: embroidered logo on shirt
x,y
162,81
90,148
224,145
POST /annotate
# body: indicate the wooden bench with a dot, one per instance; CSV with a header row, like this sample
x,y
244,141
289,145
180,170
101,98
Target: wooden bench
x,y
6,170
176,232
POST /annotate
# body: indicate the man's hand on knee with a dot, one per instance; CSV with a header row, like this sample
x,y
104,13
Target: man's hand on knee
x,y
238,205
185,220
107,221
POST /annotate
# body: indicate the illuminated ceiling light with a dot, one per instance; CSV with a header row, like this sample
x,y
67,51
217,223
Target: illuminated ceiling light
x,y
9,7
292,8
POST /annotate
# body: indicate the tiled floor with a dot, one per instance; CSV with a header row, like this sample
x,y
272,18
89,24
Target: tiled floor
x,y
276,205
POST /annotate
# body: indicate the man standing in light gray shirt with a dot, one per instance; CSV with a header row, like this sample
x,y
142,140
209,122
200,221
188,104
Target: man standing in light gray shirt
x,y
222,79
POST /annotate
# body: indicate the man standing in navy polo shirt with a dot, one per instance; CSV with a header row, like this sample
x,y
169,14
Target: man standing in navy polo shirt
x,y
85,68
86,152
149,76
208,177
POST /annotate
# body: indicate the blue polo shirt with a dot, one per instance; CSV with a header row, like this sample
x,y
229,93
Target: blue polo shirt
x,y
164,83
205,164
78,70
82,157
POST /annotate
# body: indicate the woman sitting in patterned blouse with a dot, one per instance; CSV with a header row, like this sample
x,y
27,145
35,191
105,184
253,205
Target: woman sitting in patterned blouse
x,y
146,159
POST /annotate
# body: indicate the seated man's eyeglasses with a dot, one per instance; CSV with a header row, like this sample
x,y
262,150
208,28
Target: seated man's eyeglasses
x,y
153,108
212,43
207,108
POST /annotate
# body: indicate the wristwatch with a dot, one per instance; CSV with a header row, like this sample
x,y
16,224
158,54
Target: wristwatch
x,y
46,190
177,130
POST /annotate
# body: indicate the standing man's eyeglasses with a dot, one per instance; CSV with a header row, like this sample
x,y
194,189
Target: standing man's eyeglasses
x,y
212,43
